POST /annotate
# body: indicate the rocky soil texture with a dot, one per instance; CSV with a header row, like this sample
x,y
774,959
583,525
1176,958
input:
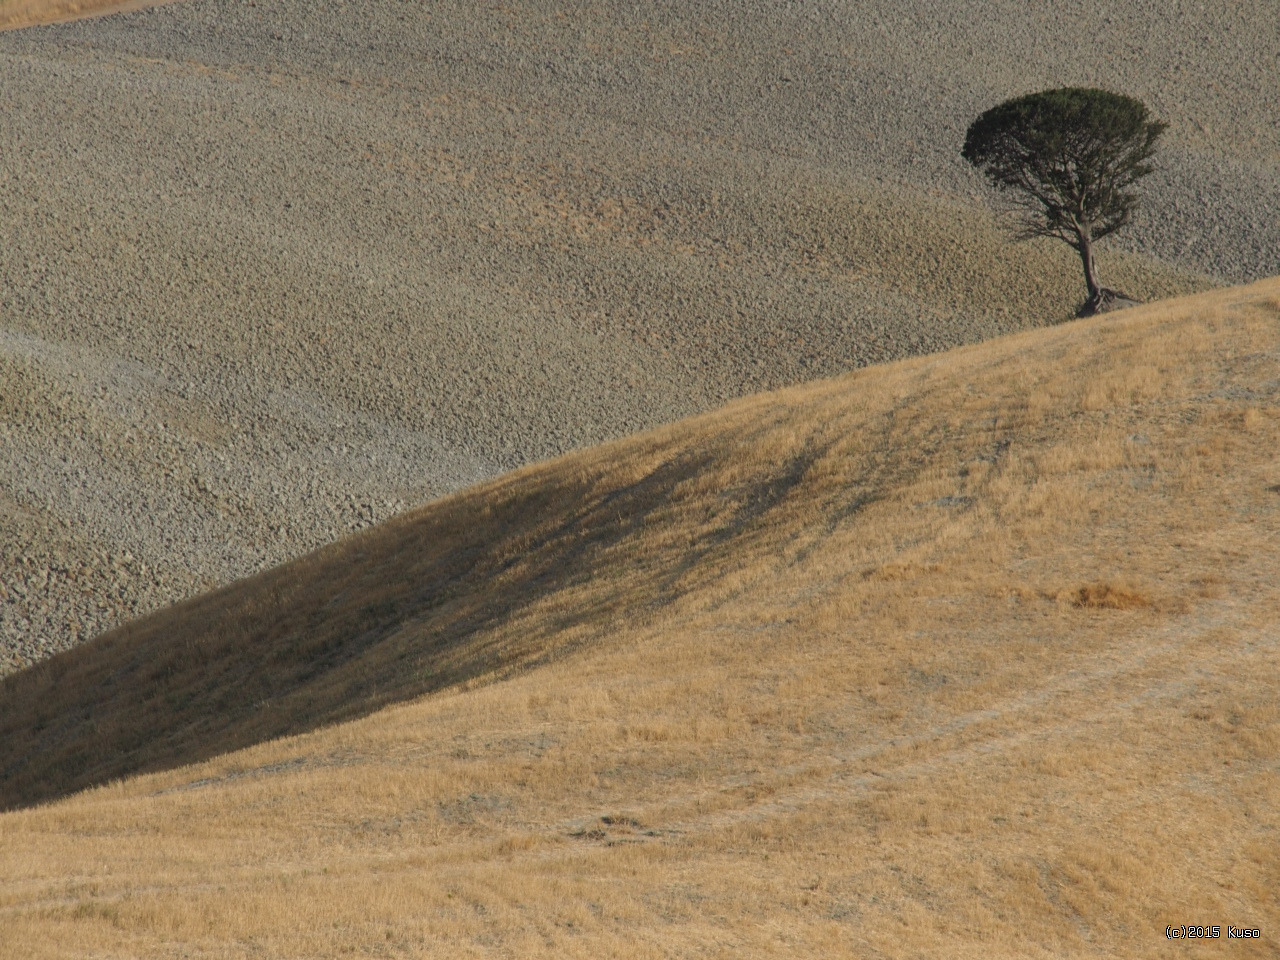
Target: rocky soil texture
x,y
271,271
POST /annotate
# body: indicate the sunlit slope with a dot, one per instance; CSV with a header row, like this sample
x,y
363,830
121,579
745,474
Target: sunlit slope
x,y
23,13
971,655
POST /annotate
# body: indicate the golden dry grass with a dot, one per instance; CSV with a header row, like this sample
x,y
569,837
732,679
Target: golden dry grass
x,y
28,13
972,655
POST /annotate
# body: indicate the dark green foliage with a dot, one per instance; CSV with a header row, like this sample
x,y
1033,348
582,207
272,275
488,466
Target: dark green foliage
x,y
1069,159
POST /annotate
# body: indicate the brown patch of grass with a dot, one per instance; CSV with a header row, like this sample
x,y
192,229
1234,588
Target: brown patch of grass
x,y
1109,596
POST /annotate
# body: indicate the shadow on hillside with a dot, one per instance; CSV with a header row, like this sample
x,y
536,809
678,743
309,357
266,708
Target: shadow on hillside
x,y
475,586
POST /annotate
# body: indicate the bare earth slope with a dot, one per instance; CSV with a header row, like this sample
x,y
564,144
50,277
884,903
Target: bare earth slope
x,y
972,656
270,271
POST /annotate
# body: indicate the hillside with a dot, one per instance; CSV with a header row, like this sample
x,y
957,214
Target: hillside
x,y
969,655
274,271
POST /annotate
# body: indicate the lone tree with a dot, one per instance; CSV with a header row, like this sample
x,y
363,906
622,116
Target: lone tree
x,y
1068,158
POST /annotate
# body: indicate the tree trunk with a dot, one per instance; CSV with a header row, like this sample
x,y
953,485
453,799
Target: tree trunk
x,y
1085,248
1100,298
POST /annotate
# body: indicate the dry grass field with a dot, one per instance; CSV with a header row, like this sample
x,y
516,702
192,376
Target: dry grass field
x,y
970,655
26,13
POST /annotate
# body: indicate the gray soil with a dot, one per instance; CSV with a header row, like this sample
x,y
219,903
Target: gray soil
x,y
271,271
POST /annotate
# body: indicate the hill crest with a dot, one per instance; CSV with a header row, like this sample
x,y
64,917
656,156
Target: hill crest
x,y
941,655
498,576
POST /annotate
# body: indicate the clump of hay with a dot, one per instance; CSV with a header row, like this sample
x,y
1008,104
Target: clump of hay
x,y
1103,595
